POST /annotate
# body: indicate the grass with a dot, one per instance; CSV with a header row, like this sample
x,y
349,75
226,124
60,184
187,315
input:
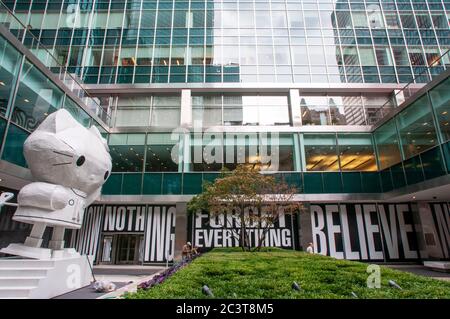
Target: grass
x,y
230,273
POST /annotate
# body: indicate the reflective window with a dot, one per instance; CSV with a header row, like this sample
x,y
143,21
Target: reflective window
x,y
207,110
99,20
416,56
255,110
356,152
160,148
392,20
375,16
367,56
408,21
423,21
273,110
286,153
133,111
350,56
320,152
386,141
210,159
416,127
165,111
127,152
36,98
376,107
439,21
279,19
383,55
13,148
296,19
360,19
316,55
400,56
344,19
315,110
8,72
346,110
268,151
440,99
312,19
77,112
243,33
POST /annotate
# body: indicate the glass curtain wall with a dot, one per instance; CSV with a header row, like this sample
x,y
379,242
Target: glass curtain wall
x,y
416,128
37,96
206,41
144,111
440,99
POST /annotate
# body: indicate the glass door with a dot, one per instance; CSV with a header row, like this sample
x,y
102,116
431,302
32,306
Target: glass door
x,y
126,249
107,249
130,249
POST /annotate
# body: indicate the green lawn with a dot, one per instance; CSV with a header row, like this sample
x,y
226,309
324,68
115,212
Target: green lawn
x,y
231,273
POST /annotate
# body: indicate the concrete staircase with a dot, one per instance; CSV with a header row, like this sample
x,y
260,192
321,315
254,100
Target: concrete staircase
x,y
19,277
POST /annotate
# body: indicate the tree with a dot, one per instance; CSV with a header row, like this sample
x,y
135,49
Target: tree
x,y
265,198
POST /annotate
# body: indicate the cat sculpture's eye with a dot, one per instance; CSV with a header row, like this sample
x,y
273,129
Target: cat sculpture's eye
x,y
81,160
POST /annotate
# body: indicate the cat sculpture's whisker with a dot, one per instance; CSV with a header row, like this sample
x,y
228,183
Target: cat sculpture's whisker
x,y
60,153
58,164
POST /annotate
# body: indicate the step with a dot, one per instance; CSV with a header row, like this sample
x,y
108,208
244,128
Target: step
x,y
19,281
443,266
24,272
19,263
15,292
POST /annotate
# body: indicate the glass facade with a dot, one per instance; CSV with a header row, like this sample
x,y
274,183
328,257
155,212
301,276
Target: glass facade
x,y
27,97
240,109
147,110
204,41
292,102
410,147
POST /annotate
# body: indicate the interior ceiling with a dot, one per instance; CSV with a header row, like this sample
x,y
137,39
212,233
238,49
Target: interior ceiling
x,y
440,193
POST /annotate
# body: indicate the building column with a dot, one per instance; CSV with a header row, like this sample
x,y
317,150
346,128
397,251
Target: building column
x,y
294,104
186,109
305,227
398,97
181,224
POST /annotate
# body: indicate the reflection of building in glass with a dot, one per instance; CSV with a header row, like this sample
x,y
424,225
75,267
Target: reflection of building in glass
x,y
215,41
334,110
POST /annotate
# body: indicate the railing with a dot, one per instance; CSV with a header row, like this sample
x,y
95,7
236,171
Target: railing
x,y
435,68
26,36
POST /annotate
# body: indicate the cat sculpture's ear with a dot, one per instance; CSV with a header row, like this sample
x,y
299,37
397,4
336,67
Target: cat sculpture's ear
x,y
58,121
94,130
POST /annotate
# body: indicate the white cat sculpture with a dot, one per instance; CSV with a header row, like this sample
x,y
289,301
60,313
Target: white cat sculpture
x,y
70,163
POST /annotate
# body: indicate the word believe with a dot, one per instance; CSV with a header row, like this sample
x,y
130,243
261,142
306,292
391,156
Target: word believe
x,y
364,231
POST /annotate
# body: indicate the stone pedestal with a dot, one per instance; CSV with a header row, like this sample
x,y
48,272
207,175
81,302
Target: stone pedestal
x,y
64,272
27,251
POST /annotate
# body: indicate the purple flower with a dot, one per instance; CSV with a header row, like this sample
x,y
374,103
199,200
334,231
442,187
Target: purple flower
x,y
157,279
